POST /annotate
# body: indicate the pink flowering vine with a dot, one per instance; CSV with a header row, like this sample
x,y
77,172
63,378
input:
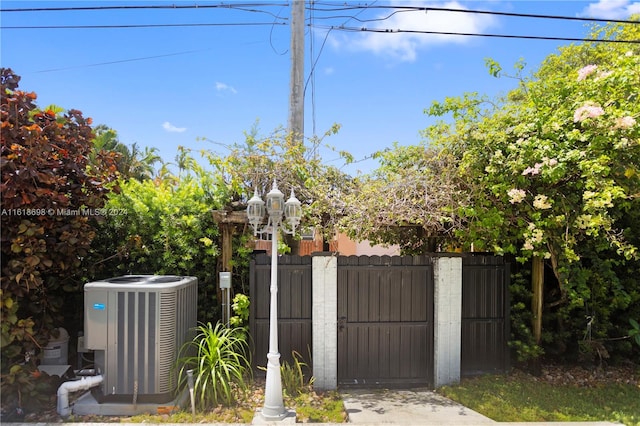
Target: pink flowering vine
x,y
585,72
587,111
625,122
535,170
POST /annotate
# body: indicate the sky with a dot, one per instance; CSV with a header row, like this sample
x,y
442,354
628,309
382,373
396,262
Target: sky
x,y
202,77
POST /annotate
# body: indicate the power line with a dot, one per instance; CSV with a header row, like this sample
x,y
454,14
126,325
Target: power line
x,y
331,7
312,77
482,12
246,7
271,35
120,61
239,6
121,26
513,36
312,8
243,7
314,62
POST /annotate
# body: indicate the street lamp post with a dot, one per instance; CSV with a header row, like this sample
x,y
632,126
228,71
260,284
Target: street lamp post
x,y
276,208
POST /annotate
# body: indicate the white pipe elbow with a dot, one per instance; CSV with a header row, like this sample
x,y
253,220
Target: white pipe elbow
x,y
85,383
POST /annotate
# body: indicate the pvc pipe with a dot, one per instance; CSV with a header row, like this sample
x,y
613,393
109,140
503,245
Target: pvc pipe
x,y
191,393
73,386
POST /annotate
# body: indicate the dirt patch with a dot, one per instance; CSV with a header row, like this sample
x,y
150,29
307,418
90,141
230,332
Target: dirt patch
x,y
584,376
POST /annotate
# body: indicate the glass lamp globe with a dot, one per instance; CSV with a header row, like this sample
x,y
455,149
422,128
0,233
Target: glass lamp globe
x,y
255,211
275,203
293,210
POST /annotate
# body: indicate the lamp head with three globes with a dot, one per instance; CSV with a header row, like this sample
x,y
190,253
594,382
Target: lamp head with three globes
x,y
275,207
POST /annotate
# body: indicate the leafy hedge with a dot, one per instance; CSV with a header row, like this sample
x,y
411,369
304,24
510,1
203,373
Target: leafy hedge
x,y
161,227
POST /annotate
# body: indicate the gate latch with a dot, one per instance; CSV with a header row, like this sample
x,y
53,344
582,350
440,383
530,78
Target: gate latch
x,y
341,323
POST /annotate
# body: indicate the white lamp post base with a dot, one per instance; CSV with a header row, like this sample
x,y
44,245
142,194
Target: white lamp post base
x,y
289,416
273,408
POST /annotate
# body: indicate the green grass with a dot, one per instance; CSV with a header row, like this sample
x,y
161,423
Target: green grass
x,y
325,407
523,399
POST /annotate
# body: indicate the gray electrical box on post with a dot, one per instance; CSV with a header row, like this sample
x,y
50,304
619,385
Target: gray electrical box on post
x,y
225,286
225,280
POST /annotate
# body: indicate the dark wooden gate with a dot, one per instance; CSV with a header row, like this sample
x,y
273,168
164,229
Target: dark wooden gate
x,y
385,320
385,315
485,314
294,307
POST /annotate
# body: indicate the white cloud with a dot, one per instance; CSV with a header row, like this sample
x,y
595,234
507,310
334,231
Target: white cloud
x,y
611,9
171,128
223,87
405,46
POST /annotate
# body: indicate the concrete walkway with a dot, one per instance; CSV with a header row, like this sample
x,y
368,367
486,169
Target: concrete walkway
x,y
407,407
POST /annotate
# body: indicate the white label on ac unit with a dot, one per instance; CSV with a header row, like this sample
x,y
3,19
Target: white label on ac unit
x,y
53,353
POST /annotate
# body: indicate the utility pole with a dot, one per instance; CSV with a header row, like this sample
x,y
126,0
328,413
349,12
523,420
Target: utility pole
x,y
296,82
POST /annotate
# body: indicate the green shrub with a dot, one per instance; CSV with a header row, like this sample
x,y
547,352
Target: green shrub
x,y
241,310
522,341
168,229
240,320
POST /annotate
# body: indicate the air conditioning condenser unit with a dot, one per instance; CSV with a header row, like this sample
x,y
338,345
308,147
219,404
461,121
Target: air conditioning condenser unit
x,y
136,325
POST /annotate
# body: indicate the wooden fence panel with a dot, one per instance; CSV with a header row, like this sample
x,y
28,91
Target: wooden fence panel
x,y
294,307
485,314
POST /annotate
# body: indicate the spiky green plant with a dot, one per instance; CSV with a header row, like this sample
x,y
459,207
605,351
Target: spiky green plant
x,y
293,378
219,359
